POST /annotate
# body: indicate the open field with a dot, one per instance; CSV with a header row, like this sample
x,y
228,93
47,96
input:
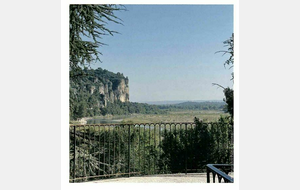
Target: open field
x,y
178,116
173,116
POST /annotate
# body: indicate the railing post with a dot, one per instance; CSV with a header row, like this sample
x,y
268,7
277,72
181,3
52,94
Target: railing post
x,y
144,149
109,138
129,151
155,149
114,168
74,166
186,149
104,133
119,137
89,152
99,160
139,148
149,167
207,175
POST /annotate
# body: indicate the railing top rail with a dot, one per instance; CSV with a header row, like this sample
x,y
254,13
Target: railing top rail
x,y
150,123
222,165
216,170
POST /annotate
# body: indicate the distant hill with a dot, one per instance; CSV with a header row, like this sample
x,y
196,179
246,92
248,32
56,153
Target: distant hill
x,y
188,103
192,105
171,102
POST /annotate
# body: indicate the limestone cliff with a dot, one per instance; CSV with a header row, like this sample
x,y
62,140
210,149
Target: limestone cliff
x,y
112,90
102,86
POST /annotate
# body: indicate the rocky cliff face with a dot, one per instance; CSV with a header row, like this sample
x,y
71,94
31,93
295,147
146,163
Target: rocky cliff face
x,y
104,86
90,94
111,90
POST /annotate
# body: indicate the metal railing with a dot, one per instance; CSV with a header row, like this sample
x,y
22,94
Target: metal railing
x,y
100,151
221,171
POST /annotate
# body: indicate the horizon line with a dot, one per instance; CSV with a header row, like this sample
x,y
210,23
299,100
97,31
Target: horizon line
x,y
176,100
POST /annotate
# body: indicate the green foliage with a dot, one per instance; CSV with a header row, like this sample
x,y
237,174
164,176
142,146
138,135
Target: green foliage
x,y
222,134
97,78
174,146
203,144
230,44
194,106
106,151
146,149
228,92
126,108
87,23
116,108
99,153
85,103
229,99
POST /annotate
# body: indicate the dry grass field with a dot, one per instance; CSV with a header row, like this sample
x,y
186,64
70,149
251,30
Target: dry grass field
x,y
178,116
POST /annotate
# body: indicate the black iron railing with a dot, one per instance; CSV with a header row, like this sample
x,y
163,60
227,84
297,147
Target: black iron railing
x,y
220,171
113,150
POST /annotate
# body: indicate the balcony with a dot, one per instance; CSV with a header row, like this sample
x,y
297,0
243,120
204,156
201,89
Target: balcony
x,y
114,151
221,171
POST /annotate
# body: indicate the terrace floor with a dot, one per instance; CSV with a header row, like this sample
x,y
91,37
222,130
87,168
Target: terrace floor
x,y
161,178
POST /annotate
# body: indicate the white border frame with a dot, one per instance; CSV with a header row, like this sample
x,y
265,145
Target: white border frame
x,y
65,185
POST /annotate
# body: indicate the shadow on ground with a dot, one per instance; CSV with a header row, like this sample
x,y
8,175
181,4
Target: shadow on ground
x,y
162,178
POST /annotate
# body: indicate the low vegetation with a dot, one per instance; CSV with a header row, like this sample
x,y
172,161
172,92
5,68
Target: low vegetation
x,y
207,105
176,116
141,112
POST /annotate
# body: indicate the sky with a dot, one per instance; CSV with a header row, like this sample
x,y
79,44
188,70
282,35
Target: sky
x,y
168,52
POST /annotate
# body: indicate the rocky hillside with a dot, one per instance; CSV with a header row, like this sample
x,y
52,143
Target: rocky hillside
x,y
112,86
95,90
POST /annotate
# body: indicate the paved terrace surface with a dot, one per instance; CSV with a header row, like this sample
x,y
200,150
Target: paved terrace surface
x,y
162,178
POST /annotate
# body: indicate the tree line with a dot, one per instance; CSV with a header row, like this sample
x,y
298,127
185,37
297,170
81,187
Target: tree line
x,y
194,106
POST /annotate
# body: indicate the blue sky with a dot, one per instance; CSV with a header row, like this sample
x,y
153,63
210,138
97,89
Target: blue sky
x,y
168,51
